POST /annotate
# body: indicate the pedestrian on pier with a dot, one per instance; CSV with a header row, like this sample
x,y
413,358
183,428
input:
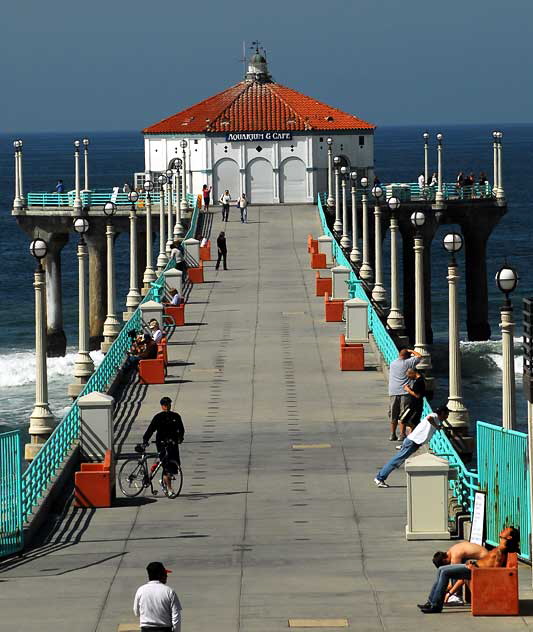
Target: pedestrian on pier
x,y
434,180
156,604
398,397
416,390
60,187
419,436
225,200
421,182
155,330
206,196
222,250
243,206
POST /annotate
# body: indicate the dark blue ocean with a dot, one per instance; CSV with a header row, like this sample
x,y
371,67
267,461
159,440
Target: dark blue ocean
x,y
114,157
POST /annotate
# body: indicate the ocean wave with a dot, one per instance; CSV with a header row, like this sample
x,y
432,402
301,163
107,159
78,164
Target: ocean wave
x,y
17,368
485,356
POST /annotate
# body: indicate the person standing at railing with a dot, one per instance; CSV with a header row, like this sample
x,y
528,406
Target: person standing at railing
x,y
421,181
398,397
434,180
206,196
60,187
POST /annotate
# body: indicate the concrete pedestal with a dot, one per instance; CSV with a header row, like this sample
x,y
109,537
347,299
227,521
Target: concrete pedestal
x,y
340,275
174,280
192,252
96,415
427,498
152,309
325,246
356,314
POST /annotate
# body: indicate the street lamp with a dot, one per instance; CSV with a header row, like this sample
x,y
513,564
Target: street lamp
x,y
17,202
85,142
453,242
330,200
170,224
133,297
379,294
365,272
337,225
439,196
355,255
345,238
111,323
77,196
178,226
83,365
184,205
418,219
149,272
395,319
495,185
507,280
162,258
426,159
41,418
500,194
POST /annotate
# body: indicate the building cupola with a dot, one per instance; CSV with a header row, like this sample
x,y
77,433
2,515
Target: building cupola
x,y
257,66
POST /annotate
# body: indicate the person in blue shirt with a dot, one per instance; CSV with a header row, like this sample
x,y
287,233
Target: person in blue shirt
x,y
60,187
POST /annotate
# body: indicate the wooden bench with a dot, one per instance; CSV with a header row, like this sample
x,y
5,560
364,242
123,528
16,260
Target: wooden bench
x,y
318,261
494,591
333,309
352,356
312,244
152,371
94,484
196,275
176,313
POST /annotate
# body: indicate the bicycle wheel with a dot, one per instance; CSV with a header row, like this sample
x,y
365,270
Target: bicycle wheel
x,y
177,484
131,478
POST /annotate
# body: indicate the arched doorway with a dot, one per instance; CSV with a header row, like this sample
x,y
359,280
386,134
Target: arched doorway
x,y
260,181
292,180
226,176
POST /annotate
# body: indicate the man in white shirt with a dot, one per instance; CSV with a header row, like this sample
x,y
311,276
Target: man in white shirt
x,y
420,435
155,330
156,604
421,181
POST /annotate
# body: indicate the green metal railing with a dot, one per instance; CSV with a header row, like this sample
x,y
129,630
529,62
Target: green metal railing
x,y
465,485
44,467
11,524
503,463
96,198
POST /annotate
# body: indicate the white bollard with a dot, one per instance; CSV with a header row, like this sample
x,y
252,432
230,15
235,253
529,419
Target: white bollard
x,y
325,245
340,275
151,309
356,314
96,422
192,252
174,280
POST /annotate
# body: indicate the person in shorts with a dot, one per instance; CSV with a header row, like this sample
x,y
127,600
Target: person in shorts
x,y
398,397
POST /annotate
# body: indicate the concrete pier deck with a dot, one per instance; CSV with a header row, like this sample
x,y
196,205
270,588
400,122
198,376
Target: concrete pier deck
x,y
279,518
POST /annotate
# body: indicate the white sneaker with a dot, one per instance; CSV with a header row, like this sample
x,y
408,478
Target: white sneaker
x,y
380,483
455,600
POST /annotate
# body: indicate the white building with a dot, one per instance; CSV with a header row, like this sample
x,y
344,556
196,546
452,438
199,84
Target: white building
x,y
261,138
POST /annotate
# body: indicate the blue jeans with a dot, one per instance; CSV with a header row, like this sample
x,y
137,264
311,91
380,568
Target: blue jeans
x,y
408,448
445,574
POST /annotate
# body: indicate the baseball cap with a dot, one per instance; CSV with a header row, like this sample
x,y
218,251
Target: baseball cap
x,y
156,568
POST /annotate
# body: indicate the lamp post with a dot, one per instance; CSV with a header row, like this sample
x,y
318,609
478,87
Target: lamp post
x,y
83,365
178,226
21,179
330,200
133,297
111,323
426,159
86,163
162,258
355,255
500,194
418,219
439,196
149,272
395,319
453,242
507,280
495,185
170,223
365,272
379,294
17,201
346,242
77,196
337,225
184,205
41,418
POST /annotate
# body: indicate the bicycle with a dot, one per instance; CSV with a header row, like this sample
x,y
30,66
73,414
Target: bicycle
x,y
135,476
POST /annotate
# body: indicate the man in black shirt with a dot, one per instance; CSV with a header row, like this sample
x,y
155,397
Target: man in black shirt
x,y
222,250
169,430
416,390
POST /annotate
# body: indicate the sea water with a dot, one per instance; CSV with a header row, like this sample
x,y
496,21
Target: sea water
x,y
114,157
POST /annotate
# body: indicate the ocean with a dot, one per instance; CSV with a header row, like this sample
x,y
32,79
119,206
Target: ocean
x,y
115,156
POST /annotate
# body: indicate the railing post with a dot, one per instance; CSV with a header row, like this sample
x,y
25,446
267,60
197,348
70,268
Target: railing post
x,y
379,294
355,255
345,238
420,319
508,376
395,319
365,272
337,225
178,226
17,202
439,196
111,323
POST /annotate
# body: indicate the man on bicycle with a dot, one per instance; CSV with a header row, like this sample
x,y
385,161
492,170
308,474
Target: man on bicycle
x,y
169,430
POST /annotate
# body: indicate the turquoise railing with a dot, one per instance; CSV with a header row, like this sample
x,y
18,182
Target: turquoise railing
x,y
95,198
465,485
51,456
503,464
11,524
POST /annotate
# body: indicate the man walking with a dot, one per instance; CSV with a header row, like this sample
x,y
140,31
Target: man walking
x,y
420,435
398,397
157,605
222,250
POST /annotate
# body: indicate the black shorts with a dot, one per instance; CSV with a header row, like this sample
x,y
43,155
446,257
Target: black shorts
x,y
170,462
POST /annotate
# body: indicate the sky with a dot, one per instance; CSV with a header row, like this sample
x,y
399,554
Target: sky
x,y
122,65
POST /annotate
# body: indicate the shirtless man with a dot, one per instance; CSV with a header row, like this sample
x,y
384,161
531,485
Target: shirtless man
x,y
509,541
458,554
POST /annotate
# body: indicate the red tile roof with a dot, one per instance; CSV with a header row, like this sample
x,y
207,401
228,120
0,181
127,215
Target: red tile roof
x,y
251,106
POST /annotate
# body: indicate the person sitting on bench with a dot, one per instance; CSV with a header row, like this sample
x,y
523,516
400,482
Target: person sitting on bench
x,y
175,298
149,352
509,543
458,554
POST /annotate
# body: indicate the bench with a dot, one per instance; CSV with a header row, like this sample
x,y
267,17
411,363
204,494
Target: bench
x,y
152,371
162,350
312,244
176,313
352,356
205,251
333,308
494,591
196,275
94,484
318,261
322,285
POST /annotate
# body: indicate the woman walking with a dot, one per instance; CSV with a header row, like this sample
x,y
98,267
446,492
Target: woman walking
x,y
225,200
222,250
206,194
243,205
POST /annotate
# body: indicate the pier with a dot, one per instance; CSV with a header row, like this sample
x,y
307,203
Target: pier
x,y
279,520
